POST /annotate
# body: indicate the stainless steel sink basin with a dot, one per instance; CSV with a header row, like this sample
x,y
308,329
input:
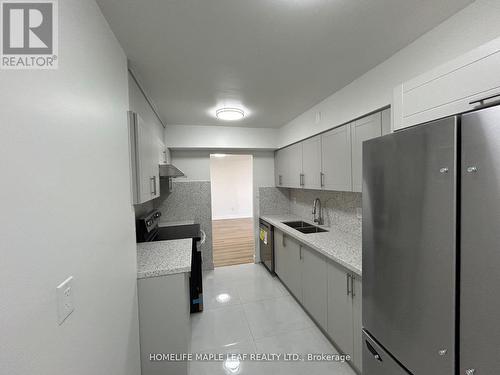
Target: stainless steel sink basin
x,y
297,224
308,230
304,227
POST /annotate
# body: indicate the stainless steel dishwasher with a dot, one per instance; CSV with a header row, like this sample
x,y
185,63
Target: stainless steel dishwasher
x,y
266,242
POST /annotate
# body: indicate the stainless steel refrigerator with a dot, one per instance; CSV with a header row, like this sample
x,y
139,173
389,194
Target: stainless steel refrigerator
x,y
431,248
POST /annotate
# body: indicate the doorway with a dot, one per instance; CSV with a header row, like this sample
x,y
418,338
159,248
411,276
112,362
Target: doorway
x,y
231,179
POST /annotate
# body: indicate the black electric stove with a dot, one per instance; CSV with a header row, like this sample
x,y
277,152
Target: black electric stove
x,y
149,230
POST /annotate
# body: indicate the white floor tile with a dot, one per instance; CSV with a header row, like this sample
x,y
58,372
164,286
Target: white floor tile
x,y
227,366
303,342
255,314
260,288
241,272
219,327
220,295
308,340
273,316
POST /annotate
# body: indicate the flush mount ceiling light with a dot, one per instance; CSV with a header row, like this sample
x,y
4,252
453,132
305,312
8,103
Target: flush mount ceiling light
x,y
229,114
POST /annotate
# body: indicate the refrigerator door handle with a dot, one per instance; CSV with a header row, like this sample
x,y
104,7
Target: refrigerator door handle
x,y
373,351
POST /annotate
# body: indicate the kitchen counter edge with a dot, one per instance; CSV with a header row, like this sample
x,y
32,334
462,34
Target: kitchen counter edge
x,y
349,257
162,258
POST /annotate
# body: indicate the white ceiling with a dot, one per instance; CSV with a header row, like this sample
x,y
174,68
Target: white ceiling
x,y
275,58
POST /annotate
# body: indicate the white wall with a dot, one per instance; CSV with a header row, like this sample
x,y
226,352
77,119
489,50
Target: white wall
x,y
231,183
66,208
469,28
220,137
196,164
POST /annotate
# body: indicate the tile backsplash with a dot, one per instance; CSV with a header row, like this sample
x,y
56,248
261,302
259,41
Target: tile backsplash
x,y
273,200
339,209
189,200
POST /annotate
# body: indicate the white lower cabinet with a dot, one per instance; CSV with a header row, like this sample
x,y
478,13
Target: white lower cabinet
x,y
328,292
344,311
164,322
279,254
288,262
340,309
293,266
357,352
314,288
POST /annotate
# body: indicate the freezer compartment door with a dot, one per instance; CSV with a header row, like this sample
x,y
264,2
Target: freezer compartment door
x,y
480,243
409,252
376,361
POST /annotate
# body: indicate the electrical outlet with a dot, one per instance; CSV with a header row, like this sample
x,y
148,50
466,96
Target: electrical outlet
x,y
65,304
359,212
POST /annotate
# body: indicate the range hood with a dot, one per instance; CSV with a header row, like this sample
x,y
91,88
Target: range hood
x,y
169,170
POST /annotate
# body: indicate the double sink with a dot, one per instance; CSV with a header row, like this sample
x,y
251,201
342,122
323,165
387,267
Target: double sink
x,y
304,227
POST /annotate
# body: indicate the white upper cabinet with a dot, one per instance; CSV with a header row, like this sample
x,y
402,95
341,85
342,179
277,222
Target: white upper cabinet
x,y
279,167
458,86
288,166
145,158
332,160
336,159
295,175
362,130
386,121
311,163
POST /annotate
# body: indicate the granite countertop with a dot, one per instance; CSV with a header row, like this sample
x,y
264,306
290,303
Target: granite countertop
x,y
339,246
163,258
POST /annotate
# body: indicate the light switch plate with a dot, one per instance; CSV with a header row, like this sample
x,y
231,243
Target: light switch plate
x,y
65,304
359,212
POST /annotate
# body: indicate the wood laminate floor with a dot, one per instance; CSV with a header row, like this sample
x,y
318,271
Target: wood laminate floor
x,y
233,242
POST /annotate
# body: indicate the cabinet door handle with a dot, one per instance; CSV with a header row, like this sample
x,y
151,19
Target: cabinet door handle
x,y
283,240
300,252
152,186
280,180
348,283
322,179
481,102
352,286
154,183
